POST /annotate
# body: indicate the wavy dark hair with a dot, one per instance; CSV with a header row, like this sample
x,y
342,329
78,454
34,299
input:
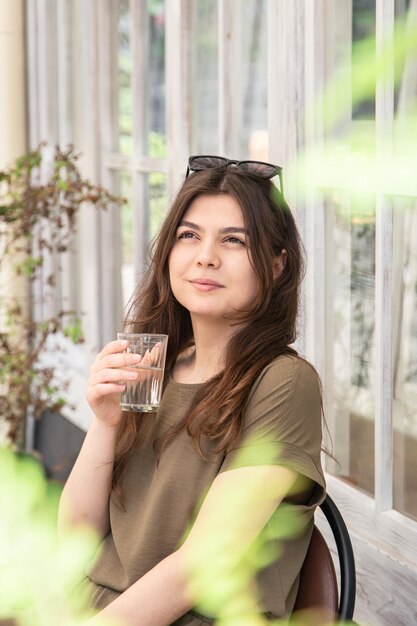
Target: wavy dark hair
x,y
270,325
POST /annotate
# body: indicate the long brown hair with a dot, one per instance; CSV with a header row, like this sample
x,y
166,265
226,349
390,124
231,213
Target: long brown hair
x,y
270,325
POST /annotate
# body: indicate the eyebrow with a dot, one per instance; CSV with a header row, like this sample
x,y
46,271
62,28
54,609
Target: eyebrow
x,y
224,231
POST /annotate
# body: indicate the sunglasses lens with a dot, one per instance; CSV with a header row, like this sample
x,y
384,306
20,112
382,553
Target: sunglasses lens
x,y
199,163
260,169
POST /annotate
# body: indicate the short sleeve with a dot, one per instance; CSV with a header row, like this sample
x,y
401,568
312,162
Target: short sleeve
x,y
282,421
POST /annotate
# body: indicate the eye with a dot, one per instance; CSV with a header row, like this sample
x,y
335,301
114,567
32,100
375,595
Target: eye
x,y
187,234
235,240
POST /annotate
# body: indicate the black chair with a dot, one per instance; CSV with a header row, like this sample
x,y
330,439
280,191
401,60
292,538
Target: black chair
x,y
318,588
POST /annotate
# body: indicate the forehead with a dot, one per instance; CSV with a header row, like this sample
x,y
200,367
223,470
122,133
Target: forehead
x,y
219,208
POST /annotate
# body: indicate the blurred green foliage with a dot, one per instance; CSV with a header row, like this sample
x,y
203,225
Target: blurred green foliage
x,y
41,574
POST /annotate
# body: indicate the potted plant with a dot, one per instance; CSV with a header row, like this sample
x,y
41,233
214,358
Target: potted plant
x,y
38,217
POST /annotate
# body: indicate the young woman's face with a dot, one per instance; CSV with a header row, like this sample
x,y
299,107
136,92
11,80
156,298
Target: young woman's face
x,y
209,265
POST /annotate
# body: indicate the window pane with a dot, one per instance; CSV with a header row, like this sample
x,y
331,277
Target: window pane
x,y
158,201
363,27
155,202
351,293
405,361
151,42
124,83
156,93
254,70
204,67
405,71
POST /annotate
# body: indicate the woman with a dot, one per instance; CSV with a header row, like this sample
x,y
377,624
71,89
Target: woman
x,y
224,285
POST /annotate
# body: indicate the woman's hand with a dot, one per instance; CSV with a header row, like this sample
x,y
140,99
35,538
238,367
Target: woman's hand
x,y
108,374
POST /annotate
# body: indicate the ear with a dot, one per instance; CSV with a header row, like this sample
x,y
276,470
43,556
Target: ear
x,y
279,264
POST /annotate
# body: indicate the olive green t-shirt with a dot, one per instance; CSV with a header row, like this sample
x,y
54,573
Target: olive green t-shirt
x,y
284,406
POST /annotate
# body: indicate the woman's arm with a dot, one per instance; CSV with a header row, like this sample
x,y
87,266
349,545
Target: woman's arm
x,y
85,498
236,508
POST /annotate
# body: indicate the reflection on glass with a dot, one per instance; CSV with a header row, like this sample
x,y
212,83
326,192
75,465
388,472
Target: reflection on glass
x,y
124,65
405,357
351,290
363,26
152,95
158,200
156,92
254,139
155,204
205,73
404,72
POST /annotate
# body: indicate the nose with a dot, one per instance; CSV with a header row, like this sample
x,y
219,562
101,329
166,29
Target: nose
x,y
207,255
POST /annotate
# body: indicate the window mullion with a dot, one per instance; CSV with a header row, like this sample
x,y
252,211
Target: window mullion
x,y
177,77
139,35
384,295
314,221
110,235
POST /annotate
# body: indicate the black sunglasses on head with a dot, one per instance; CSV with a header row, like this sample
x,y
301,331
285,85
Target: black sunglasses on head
x,y
260,168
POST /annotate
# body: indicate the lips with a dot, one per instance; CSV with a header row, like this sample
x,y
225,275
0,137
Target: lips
x,y
205,285
206,281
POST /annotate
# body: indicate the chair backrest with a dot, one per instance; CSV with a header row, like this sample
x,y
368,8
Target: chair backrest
x,y
318,588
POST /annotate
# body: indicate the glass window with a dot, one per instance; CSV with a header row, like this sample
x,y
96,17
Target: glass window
x,y
404,71
156,98
351,311
363,28
151,40
204,70
155,193
158,200
124,80
254,138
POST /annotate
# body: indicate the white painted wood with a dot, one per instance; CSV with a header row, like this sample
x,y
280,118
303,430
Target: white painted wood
x,y
384,294
110,224
314,231
337,50
86,133
32,74
86,140
385,548
177,76
142,163
67,261
139,37
63,55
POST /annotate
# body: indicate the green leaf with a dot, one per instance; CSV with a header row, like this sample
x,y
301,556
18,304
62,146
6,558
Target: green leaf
x,y
74,331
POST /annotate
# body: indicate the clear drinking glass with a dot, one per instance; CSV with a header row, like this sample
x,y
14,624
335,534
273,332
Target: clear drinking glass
x,y
144,393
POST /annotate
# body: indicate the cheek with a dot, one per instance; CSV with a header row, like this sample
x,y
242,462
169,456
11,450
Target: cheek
x,y
250,282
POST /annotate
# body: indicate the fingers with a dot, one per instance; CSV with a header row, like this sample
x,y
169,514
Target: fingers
x,y
110,375
105,389
115,360
112,347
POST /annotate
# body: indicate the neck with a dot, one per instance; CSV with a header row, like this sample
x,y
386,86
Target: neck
x,y
211,340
